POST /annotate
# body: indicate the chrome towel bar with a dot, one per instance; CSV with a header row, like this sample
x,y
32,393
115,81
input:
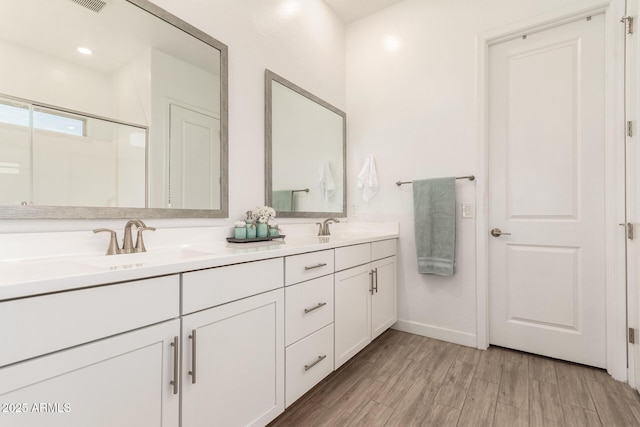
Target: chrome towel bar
x,y
469,177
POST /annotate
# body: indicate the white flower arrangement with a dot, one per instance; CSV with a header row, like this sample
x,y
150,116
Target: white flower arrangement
x,y
264,214
240,224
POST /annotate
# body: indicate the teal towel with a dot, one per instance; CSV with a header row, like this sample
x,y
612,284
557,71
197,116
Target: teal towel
x,y
282,201
434,211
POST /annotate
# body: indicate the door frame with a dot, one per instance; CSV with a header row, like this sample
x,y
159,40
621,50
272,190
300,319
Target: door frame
x,y
614,169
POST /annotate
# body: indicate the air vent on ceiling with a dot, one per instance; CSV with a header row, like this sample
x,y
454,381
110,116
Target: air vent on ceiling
x,y
94,5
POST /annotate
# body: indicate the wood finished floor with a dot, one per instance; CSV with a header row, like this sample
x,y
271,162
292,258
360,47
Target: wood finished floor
x,y
408,380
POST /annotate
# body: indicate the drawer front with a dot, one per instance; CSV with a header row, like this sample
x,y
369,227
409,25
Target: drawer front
x,y
351,256
308,362
383,249
215,286
48,323
308,266
309,307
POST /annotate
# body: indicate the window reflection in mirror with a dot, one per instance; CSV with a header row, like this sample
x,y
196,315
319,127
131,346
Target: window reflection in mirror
x,y
56,158
305,145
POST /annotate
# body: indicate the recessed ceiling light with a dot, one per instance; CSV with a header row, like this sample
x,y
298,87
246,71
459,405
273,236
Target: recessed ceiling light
x,y
289,8
84,50
391,43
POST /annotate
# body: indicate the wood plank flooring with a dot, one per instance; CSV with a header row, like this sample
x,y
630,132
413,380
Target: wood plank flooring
x,y
408,380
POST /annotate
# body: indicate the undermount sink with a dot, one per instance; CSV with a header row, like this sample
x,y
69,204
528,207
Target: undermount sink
x,y
142,258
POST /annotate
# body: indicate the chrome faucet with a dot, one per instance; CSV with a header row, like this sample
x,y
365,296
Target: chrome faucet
x,y
323,228
127,243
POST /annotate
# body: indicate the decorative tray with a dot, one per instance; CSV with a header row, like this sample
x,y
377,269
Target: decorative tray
x,y
255,239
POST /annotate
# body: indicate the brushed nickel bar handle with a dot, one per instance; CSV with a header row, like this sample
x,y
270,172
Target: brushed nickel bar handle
x,y
309,310
371,282
318,360
311,267
375,273
176,372
192,372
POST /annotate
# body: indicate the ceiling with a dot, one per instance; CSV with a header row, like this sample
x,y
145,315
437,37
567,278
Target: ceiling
x,y
352,10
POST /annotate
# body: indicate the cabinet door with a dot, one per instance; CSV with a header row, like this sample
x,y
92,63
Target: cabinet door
x,y
120,381
384,309
352,312
233,373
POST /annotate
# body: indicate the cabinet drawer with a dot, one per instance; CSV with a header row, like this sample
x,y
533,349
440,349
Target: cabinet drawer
x,y
351,256
383,249
308,362
208,288
308,266
39,325
309,307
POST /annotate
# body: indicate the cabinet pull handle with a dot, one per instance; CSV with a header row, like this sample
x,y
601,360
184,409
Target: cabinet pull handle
x,y
176,372
192,372
371,282
309,310
315,362
311,267
375,273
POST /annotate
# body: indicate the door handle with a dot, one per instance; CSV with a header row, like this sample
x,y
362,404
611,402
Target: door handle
x,y
192,372
176,368
315,307
496,232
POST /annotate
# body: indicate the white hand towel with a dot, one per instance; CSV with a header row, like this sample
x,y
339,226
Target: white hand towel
x,y
325,180
368,178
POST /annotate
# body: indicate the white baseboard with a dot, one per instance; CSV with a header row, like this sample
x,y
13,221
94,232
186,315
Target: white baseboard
x,y
436,332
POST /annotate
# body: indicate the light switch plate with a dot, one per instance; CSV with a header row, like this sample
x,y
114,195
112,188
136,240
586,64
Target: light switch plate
x,y
468,210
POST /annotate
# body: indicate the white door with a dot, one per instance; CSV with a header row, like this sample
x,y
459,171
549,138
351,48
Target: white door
x,y
353,290
194,159
233,372
632,110
384,311
546,188
120,381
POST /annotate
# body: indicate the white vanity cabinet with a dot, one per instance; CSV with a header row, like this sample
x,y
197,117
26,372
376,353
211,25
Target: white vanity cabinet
x,y
365,296
233,352
308,321
70,362
206,342
119,381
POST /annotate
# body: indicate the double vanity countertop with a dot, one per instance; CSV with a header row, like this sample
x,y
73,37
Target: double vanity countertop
x,y
170,252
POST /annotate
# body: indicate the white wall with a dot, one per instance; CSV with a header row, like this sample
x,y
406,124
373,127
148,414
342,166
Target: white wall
x,y
415,110
307,47
47,79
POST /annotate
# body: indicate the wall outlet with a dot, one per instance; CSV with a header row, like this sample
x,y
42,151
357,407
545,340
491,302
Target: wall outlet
x,y
468,210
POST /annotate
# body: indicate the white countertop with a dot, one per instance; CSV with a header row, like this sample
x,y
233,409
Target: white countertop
x,y
22,276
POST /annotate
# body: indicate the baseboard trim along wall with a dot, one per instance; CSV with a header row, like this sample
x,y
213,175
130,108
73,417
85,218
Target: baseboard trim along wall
x,y
436,332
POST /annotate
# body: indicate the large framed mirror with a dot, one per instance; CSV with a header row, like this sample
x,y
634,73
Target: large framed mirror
x,y
110,109
305,145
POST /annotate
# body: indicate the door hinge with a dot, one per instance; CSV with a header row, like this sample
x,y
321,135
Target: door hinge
x,y
632,336
629,128
628,22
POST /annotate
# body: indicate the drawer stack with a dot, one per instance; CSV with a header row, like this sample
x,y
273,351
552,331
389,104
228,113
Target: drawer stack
x,y
308,321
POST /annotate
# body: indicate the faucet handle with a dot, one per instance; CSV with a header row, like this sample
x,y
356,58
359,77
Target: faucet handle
x,y
113,248
319,224
139,242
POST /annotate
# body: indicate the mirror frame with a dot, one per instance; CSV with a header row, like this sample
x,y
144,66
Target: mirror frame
x,y
77,212
269,78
